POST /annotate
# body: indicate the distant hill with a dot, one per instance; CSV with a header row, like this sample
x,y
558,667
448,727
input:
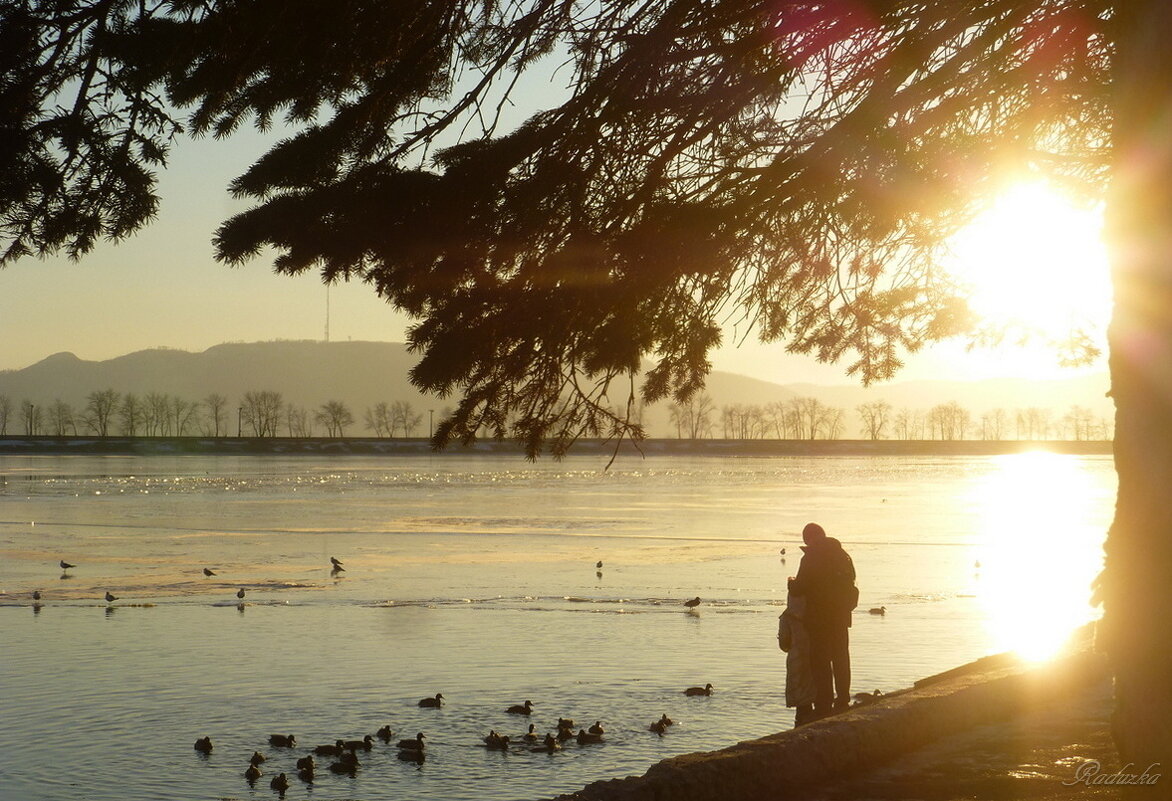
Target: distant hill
x,y
361,374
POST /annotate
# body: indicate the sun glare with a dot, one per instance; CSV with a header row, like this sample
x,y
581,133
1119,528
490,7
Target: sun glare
x,y
1035,260
1042,549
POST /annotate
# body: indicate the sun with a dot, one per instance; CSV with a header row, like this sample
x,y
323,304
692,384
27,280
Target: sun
x,y
1035,261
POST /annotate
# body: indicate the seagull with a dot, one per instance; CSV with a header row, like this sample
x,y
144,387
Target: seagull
x,y
692,604
110,597
240,593
208,572
65,565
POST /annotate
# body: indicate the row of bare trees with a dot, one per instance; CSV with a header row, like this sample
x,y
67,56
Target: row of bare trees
x,y
809,418
262,413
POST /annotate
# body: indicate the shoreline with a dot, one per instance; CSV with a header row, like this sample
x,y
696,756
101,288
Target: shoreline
x,y
421,446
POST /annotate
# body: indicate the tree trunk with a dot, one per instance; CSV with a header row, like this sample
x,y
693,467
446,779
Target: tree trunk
x,y
1136,630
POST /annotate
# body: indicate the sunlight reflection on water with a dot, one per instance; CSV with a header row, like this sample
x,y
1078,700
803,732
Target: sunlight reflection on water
x,y
477,578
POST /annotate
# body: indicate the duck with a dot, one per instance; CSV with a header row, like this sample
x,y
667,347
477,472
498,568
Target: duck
x,y
110,597
240,593
209,572
520,709
65,565
280,783
531,735
565,723
496,742
306,762
666,721
548,745
385,734
866,698
597,728
414,744
705,690
252,773
659,727
565,733
693,603
343,767
256,758
585,737
36,595
366,743
337,563
781,552
307,775
349,758
433,703
598,565
411,755
878,610
204,745
282,740
330,750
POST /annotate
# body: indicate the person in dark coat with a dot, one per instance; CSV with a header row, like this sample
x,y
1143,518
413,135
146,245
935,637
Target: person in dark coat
x,y
826,579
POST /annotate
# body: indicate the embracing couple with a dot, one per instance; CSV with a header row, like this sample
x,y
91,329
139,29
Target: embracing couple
x,y
813,628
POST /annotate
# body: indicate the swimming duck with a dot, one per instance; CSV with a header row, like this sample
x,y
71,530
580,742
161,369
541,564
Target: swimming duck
x,y
36,595
666,721
705,690
548,745
349,758
866,698
693,603
110,597
597,728
433,703
385,734
520,709
585,737
252,773
598,565
659,727
414,744
65,565
282,741
256,758
240,593
411,755
343,767
878,610
306,762
366,743
565,723
204,745
307,775
496,742
565,733
330,750
280,783
531,735
208,572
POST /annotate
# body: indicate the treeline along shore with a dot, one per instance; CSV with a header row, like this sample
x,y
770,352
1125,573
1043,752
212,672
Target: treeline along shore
x,y
421,446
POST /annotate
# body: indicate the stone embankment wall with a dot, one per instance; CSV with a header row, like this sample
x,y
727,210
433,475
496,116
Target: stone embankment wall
x,y
991,689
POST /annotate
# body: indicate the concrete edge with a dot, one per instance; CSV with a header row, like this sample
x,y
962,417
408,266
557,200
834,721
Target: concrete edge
x,y
859,739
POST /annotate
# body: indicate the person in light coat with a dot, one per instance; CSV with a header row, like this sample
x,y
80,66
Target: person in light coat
x,y
794,639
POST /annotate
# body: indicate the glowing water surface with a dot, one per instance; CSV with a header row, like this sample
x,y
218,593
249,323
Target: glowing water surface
x,y
476,578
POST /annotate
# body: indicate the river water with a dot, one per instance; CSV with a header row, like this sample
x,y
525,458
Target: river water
x,y
476,577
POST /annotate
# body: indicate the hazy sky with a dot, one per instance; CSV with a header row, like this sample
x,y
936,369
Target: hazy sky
x,y
162,288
